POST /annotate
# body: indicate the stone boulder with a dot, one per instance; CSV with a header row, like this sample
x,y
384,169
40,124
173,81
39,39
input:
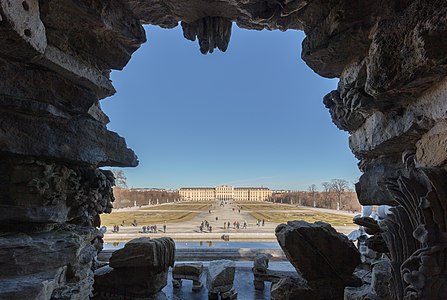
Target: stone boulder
x,y
324,257
220,276
291,288
376,286
145,253
189,271
261,262
140,269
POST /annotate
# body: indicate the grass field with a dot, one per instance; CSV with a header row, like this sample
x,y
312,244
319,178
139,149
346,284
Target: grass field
x,y
150,218
180,206
308,216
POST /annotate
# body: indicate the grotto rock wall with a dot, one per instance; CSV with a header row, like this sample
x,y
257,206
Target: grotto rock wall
x,y
55,61
391,98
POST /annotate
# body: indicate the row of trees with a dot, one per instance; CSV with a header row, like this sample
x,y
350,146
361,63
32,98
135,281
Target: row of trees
x,y
125,197
138,197
335,194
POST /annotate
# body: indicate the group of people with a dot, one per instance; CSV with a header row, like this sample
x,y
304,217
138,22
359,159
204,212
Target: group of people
x,y
236,225
205,224
259,222
116,228
152,229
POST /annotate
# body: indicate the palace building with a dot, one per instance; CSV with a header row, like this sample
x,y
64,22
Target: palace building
x,y
225,192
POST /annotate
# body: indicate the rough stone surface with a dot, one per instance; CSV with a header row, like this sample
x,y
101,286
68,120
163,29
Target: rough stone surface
x,y
291,288
317,250
55,62
192,269
140,269
261,262
41,192
376,287
324,257
156,254
220,276
49,262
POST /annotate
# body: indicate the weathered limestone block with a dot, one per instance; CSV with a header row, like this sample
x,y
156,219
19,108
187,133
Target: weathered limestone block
x,y
48,262
388,134
261,262
22,135
156,254
324,257
43,192
189,271
350,105
220,276
140,269
317,250
407,55
376,171
327,49
261,273
35,286
116,35
55,60
247,14
378,287
22,31
431,149
37,102
291,288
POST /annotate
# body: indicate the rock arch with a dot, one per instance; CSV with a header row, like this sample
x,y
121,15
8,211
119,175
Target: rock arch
x,y
55,60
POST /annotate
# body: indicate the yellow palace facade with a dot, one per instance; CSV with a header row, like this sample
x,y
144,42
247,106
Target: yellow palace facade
x,y
225,192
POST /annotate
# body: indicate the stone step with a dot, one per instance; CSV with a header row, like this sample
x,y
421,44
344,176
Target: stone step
x,y
192,254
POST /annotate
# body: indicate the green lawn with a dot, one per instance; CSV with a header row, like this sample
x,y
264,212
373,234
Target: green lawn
x,y
308,216
149,218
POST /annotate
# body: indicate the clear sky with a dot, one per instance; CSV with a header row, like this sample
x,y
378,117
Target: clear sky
x,y
251,116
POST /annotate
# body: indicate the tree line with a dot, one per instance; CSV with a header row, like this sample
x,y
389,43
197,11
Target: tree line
x,y
335,194
139,197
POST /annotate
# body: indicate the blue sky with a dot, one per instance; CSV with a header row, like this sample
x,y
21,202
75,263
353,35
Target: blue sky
x,y
249,117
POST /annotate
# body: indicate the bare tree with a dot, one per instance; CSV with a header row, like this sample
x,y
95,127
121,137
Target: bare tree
x,y
120,178
313,189
339,186
326,187
327,191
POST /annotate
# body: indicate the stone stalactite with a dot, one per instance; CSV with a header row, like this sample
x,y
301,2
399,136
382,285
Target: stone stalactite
x,y
211,32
